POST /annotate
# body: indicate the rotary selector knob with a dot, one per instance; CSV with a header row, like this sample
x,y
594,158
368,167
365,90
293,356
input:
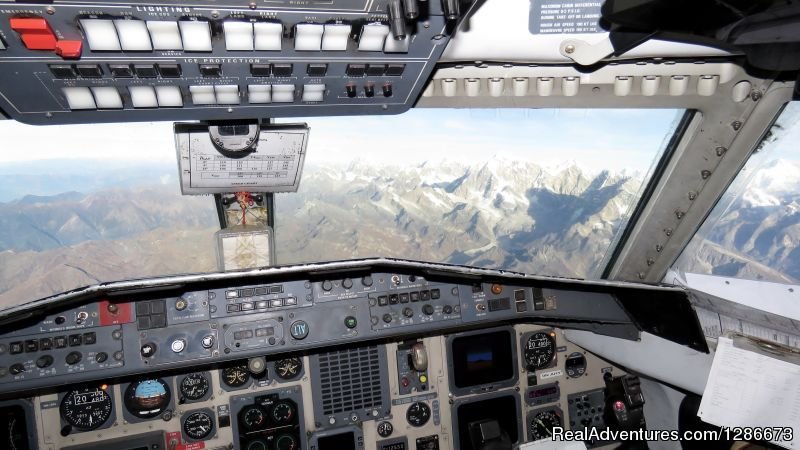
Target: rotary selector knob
x,y
73,358
347,283
44,361
367,281
428,310
148,350
327,285
16,369
208,341
408,312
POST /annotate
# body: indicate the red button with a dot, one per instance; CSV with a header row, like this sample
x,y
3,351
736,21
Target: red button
x,y
34,41
29,24
35,32
69,49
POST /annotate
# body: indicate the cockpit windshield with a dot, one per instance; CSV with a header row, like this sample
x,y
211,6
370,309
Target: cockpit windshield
x,y
540,191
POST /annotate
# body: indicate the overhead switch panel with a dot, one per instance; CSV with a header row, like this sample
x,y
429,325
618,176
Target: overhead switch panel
x,y
238,36
308,37
268,36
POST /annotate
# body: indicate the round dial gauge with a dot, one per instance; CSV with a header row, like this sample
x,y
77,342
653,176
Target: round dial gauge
x,y
540,349
147,398
87,408
198,425
288,368
258,444
252,416
282,413
542,424
418,414
286,442
236,376
194,387
385,429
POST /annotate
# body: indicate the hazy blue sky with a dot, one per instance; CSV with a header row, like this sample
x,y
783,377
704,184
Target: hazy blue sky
x,y
607,139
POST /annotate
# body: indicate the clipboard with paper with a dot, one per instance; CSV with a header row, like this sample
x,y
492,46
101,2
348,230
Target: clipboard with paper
x,y
754,385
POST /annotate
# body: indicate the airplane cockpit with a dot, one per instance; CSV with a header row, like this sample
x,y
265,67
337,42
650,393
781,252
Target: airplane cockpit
x,y
399,224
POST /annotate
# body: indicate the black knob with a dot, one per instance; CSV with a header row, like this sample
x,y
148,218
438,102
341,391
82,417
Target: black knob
x,y
60,320
387,90
367,281
44,361
16,369
428,310
73,358
351,90
408,312
387,318
148,350
327,285
347,283
101,357
447,309
369,90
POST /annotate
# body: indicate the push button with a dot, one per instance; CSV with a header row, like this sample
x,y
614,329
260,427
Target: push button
x,y
62,71
145,70
69,49
31,346
355,70
89,338
211,70
120,71
282,70
317,70
169,70
35,32
15,348
75,340
89,70
260,70
395,70
376,70
60,341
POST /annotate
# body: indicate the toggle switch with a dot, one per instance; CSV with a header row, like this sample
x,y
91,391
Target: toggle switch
x,y
351,90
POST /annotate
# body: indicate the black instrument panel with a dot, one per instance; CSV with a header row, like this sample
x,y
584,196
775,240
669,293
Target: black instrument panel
x,y
77,62
202,322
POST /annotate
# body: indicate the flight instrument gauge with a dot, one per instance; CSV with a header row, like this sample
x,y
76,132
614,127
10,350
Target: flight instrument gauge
x,y
540,349
194,387
418,414
86,408
252,417
198,425
542,423
288,368
286,442
236,376
147,398
282,413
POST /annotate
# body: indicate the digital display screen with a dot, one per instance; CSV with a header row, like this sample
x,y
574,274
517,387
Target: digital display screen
x,y
543,392
480,359
395,446
341,441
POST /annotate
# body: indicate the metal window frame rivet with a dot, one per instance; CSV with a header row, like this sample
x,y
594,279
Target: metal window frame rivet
x,y
659,248
720,151
736,124
679,214
668,231
650,261
692,195
705,174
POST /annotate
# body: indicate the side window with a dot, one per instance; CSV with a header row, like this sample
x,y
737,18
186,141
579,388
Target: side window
x,y
754,231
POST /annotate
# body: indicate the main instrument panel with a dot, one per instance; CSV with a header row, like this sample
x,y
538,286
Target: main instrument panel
x,y
77,62
376,356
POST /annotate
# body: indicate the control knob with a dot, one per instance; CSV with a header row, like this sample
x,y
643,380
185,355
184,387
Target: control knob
x,y
73,358
16,369
347,283
44,361
408,312
427,310
208,341
148,350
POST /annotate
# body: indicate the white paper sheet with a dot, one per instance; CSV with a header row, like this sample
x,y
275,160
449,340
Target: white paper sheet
x,y
748,389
